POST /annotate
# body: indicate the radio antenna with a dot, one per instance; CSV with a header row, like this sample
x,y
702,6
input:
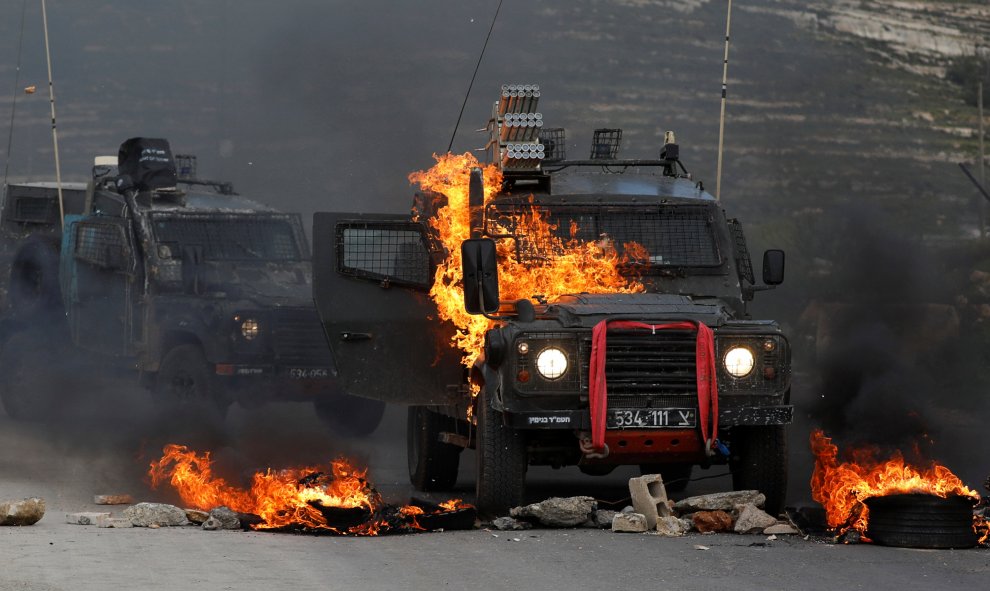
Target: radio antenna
x,y
450,146
51,100
721,118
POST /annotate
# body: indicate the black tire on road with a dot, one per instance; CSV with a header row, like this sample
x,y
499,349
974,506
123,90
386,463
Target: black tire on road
x,y
502,461
675,476
921,521
349,415
433,464
759,462
29,375
186,385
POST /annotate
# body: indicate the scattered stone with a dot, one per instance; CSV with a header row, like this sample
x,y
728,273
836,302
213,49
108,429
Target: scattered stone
x,y
629,522
771,538
603,518
782,529
724,501
688,523
196,516
751,520
510,523
155,515
558,511
628,509
211,524
113,500
711,521
114,522
226,518
23,512
670,526
700,547
649,498
84,518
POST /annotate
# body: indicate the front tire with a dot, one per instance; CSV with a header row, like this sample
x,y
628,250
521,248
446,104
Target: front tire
x,y
433,464
759,462
502,461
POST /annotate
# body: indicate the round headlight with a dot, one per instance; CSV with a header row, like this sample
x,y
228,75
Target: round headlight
x,y
250,329
739,361
551,363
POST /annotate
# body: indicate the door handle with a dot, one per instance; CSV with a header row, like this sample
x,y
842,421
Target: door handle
x,y
355,336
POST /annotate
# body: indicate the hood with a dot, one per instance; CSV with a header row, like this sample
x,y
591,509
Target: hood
x,y
589,309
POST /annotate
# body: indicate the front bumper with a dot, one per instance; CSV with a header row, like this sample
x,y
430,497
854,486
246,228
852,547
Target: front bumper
x,y
263,382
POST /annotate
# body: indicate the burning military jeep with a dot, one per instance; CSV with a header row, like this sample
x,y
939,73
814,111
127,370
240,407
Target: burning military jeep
x,y
547,311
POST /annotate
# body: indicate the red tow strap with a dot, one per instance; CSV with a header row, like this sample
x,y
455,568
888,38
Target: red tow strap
x,y
704,359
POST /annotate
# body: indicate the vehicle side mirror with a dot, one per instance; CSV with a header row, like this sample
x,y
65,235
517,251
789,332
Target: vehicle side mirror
x,y
773,267
479,267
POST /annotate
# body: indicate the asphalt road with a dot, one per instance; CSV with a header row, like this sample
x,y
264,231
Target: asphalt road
x,y
104,448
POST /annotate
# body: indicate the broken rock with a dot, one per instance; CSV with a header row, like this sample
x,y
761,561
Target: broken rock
x,y
603,518
558,511
155,515
670,526
196,516
510,523
23,512
114,522
724,501
225,518
711,521
84,518
113,499
629,522
751,520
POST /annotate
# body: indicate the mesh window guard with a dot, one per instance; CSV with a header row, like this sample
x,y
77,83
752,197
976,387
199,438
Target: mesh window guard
x,y
394,253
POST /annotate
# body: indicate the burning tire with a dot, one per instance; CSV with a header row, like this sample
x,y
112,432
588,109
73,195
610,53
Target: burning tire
x,y
186,386
675,476
921,521
29,365
432,464
350,415
759,462
502,461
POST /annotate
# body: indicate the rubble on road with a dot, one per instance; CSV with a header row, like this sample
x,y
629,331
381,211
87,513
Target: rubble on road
x,y
113,500
723,501
782,529
629,522
24,512
155,514
711,521
751,520
510,524
222,518
649,498
197,517
671,527
557,511
113,522
85,518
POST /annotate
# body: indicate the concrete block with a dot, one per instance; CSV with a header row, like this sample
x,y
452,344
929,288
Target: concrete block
x,y
85,518
629,522
649,498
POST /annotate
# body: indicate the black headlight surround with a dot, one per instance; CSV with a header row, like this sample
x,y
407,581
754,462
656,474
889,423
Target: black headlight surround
x,y
771,364
571,380
240,342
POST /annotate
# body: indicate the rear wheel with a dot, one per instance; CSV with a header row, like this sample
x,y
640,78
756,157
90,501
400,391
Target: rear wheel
x,y
675,476
432,464
502,461
759,462
350,415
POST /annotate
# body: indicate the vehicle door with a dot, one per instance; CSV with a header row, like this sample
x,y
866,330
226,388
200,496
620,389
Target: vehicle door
x,y
371,279
99,267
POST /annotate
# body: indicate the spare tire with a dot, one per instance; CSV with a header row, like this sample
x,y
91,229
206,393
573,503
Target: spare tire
x,y
921,521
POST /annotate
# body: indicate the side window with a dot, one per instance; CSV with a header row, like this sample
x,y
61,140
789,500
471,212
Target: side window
x,y
103,245
387,252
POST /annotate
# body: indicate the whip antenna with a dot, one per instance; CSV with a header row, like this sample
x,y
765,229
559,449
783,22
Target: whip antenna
x,y
721,119
51,100
478,65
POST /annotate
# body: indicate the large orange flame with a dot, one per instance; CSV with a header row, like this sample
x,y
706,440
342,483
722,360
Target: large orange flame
x,y
281,498
576,267
842,486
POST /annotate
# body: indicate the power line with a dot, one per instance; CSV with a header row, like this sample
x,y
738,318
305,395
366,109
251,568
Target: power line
x,y
478,65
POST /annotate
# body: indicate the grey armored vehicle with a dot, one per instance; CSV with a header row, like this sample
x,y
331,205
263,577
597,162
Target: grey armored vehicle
x,y
203,294
673,377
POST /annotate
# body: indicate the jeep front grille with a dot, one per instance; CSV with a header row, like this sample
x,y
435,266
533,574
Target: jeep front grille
x,y
298,337
647,370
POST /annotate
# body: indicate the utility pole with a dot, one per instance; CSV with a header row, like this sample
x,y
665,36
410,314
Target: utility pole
x,y
983,159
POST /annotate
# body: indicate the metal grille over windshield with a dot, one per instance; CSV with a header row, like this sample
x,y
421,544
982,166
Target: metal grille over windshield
x,y
231,237
673,235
